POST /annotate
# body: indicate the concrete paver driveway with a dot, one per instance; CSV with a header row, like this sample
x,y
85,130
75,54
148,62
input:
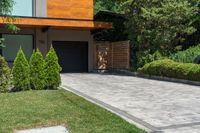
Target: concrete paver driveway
x,y
157,106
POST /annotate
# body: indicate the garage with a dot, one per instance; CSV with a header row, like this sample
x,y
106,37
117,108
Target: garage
x,y
73,56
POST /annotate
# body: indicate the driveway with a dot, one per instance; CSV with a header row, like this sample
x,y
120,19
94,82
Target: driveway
x,y
156,106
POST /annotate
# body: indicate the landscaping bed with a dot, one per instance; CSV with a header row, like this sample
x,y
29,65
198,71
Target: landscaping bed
x,y
171,69
42,108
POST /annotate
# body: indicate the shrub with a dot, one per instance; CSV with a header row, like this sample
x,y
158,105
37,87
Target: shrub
x,y
187,56
142,60
52,69
169,68
37,71
5,75
20,71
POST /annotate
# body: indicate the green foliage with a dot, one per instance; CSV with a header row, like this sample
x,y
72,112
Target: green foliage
x,y
149,58
116,33
5,76
37,71
187,56
2,43
6,10
108,11
21,71
52,69
6,7
107,5
159,24
44,108
169,68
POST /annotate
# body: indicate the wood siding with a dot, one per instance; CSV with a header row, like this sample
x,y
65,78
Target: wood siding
x,y
73,9
112,55
35,22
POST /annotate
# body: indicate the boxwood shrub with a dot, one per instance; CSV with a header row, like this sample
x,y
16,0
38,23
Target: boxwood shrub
x,y
172,69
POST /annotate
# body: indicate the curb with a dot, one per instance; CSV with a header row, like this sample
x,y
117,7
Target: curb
x,y
124,115
135,74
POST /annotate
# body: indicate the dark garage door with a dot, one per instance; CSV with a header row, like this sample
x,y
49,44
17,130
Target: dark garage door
x,y
73,56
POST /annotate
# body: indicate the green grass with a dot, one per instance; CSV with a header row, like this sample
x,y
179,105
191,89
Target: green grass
x,y
44,108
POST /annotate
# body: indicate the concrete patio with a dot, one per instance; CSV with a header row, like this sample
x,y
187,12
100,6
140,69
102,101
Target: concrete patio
x,y
156,106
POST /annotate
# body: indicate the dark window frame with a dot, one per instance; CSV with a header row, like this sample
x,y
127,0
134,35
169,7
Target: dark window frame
x,y
33,42
1,51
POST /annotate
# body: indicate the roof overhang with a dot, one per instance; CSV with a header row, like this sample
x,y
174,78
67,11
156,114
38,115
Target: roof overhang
x,y
62,23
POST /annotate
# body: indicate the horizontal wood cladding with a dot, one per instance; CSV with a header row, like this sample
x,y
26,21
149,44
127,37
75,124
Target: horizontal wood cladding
x,y
64,23
75,9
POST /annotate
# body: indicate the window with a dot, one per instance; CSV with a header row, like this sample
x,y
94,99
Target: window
x,y
13,44
23,8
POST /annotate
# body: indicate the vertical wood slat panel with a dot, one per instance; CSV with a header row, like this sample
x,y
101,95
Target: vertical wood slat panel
x,y
115,55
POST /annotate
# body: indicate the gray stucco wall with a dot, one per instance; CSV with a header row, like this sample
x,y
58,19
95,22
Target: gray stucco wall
x,y
45,39
41,41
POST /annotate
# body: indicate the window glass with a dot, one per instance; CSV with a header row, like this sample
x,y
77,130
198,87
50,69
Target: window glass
x,y
23,8
13,44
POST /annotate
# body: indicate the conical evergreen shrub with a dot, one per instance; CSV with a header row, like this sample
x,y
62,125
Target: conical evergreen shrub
x,y
37,71
20,72
52,69
5,76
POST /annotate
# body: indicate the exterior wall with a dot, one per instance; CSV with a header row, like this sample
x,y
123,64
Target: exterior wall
x,y
115,55
73,9
40,8
43,40
103,54
121,55
29,31
73,35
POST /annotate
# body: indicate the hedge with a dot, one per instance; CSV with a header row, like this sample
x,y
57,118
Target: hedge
x,y
172,69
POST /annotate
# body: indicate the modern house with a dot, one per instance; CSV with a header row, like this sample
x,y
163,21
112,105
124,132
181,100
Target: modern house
x,y
66,24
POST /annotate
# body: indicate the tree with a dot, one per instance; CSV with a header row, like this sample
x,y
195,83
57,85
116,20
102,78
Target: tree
x,y
5,75
107,5
6,10
21,72
52,69
37,71
159,24
6,7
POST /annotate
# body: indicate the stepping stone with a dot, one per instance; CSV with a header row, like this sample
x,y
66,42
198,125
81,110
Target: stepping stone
x,y
55,129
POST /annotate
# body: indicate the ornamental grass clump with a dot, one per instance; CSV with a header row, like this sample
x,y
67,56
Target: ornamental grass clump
x,y
20,72
5,76
187,56
52,69
37,71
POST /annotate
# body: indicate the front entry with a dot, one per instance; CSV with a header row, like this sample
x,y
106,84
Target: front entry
x,y
73,56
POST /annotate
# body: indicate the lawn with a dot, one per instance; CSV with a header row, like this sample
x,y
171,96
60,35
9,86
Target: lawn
x,y
44,108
